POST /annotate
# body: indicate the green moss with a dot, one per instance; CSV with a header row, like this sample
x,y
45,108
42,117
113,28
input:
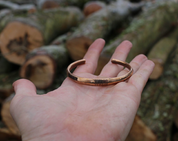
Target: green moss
x,y
146,29
159,101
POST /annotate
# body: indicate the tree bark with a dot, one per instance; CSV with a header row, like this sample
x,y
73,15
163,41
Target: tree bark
x,y
3,13
61,39
98,25
42,65
160,52
15,7
41,3
92,7
17,38
159,101
144,31
9,5
23,1
81,3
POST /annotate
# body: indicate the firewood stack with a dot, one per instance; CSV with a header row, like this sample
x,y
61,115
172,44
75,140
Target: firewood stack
x,y
40,38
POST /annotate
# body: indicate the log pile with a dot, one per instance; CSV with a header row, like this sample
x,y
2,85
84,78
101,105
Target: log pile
x,y
92,7
40,38
159,100
102,24
160,53
16,7
144,31
17,37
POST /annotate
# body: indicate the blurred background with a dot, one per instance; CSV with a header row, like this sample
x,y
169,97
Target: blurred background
x,y
40,38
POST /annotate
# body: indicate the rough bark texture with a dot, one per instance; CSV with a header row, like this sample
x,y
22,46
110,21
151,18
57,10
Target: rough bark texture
x,y
144,31
140,132
16,7
7,4
61,39
42,65
3,13
17,38
160,53
159,101
52,3
92,7
23,1
98,25
81,3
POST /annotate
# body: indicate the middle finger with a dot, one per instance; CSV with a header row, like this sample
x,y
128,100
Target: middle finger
x,y
121,52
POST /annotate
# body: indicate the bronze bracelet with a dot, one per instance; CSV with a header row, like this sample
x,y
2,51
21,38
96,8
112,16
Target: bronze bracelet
x,y
99,81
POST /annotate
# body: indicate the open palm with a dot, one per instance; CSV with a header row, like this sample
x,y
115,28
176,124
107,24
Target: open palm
x,y
76,112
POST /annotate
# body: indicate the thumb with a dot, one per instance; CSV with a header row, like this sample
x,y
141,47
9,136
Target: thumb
x,y
24,87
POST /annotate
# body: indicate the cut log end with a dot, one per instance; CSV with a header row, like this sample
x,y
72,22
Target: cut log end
x,y
50,4
33,10
140,132
92,7
40,70
8,120
157,71
78,46
17,39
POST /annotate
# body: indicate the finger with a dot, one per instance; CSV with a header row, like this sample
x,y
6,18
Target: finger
x,y
91,57
24,87
135,64
121,52
140,78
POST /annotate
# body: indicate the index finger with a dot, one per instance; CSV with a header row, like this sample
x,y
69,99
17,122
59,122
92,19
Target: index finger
x,y
91,57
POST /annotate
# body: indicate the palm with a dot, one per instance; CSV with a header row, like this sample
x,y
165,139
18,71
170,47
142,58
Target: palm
x,y
84,112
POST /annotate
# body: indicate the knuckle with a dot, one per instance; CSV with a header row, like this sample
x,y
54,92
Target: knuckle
x,y
135,64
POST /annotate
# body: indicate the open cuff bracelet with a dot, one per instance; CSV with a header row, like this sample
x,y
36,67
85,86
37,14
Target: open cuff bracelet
x,y
99,81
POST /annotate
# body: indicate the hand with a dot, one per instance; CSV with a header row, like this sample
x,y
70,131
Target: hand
x,y
76,112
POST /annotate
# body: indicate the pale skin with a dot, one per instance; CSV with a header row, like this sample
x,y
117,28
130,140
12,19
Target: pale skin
x,y
76,112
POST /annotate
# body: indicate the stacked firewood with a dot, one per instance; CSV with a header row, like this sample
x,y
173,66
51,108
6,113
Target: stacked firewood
x,y
40,38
